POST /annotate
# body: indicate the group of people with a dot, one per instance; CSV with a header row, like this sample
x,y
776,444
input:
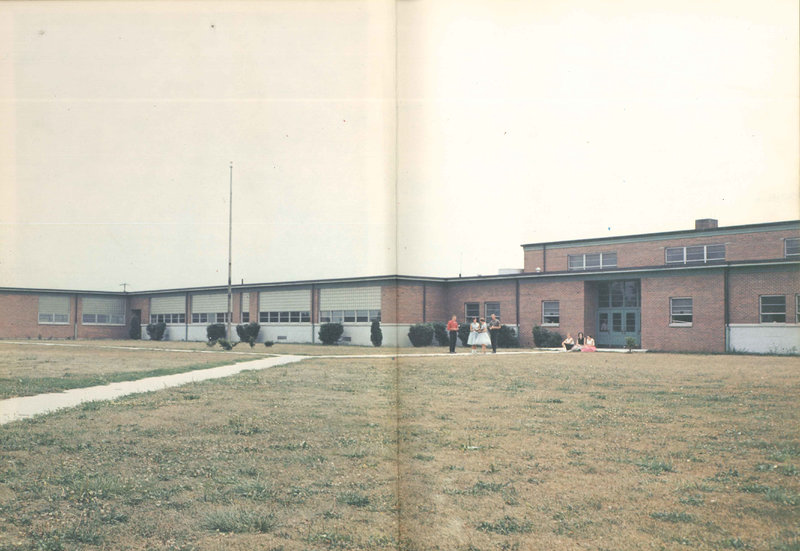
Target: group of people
x,y
581,344
480,333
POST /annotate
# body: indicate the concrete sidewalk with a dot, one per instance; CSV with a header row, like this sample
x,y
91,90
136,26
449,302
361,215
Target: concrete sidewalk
x,y
14,409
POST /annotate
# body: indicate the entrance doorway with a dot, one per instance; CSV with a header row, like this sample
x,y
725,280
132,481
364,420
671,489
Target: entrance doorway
x,y
618,313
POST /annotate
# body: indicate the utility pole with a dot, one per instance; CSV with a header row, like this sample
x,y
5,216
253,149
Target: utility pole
x,y
230,243
124,287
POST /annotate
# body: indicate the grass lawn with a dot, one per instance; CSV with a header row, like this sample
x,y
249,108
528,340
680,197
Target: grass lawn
x,y
599,451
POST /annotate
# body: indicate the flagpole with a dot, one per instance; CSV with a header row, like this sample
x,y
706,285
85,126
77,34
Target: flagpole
x,y
230,243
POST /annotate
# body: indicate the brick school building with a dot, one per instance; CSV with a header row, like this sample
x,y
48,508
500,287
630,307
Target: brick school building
x,y
706,289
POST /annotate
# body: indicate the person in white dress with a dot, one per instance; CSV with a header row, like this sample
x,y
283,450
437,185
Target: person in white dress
x,y
474,327
482,337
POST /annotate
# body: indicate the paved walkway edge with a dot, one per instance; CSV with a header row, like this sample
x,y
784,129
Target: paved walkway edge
x,y
15,409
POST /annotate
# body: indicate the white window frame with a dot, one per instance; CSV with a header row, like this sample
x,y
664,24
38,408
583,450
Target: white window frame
x,y
467,316
684,250
496,311
169,319
546,323
52,317
673,322
349,317
605,261
795,241
761,312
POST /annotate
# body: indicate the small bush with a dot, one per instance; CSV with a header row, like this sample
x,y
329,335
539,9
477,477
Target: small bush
x,y
135,332
440,333
463,333
507,337
330,333
375,333
546,339
226,344
421,334
268,343
215,332
156,331
630,343
248,333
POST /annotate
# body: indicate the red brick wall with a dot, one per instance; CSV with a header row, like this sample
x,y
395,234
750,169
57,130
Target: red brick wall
x,y
534,259
20,319
707,333
743,246
569,294
745,285
436,302
503,292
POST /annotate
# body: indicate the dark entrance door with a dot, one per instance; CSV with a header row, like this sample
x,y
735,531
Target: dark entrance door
x,y
618,312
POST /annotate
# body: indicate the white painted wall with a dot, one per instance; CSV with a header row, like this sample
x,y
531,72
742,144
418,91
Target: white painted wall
x,y
764,338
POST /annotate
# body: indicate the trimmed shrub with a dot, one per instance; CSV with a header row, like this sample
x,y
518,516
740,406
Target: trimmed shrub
x,y
421,334
630,343
215,332
463,333
226,344
440,333
135,332
156,331
507,337
546,339
248,333
375,333
268,343
330,333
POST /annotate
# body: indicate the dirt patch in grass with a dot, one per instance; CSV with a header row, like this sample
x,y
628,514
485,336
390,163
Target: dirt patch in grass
x,y
611,451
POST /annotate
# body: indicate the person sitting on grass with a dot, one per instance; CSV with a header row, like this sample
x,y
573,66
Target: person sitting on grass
x,y
590,345
568,343
579,342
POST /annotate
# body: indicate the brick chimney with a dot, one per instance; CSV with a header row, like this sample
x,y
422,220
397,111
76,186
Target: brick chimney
x,y
705,224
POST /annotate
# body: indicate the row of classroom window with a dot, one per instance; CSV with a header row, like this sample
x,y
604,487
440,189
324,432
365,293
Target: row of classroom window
x,y
325,316
672,255
772,309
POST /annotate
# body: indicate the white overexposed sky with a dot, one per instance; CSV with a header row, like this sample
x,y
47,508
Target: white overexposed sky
x,y
421,137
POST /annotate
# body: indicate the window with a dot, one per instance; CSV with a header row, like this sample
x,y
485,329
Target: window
x,y
291,316
630,322
550,312
472,310
54,309
167,318
210,317
616,322
103,310
791,247
490,308
773,308
695,254
797,304
245,317
618,294
604,322
680,312
592,261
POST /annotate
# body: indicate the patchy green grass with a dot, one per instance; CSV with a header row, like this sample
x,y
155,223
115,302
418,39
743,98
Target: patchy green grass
x,y
449,453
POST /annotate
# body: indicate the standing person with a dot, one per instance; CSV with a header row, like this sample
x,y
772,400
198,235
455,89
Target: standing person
x,y
494,332
474,327
483,336
452,328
